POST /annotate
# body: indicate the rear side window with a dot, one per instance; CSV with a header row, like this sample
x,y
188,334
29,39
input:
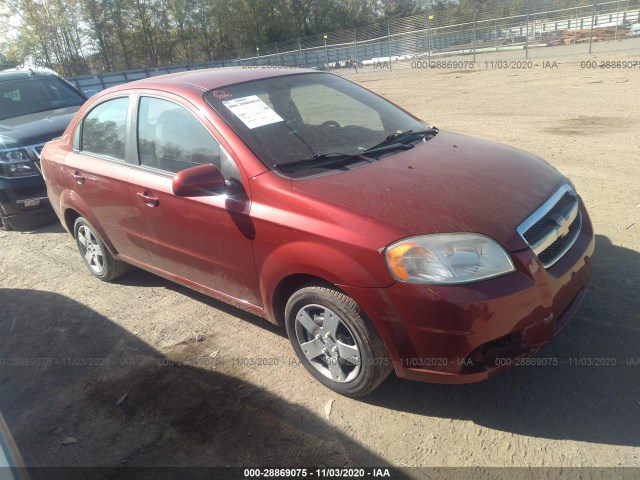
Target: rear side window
x,y
170,138
103,129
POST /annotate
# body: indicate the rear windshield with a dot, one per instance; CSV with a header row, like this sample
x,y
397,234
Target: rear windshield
x,y
292,118
24,96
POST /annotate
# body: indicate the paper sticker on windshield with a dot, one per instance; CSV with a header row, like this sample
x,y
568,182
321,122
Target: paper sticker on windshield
x,y
252,111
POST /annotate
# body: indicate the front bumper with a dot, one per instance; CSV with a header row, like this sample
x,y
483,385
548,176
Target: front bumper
x,y
463,334
16,195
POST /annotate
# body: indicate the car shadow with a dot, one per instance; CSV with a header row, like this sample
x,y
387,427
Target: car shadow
x,y
583,398
52,226
137,277
79,390
592,395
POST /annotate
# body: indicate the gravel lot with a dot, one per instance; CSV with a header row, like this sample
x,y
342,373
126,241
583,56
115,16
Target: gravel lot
x,y
114,375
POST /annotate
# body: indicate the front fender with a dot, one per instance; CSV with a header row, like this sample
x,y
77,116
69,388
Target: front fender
x,y
322,261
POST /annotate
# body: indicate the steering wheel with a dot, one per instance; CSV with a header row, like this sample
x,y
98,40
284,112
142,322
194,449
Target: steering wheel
x,y
330,123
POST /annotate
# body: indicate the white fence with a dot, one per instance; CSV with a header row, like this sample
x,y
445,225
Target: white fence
x,y
425,35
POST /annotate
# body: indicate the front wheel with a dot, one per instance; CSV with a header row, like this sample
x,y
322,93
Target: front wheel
x,y
96,257
335,341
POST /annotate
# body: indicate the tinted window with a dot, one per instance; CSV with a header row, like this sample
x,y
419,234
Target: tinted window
x,y
103,130
35,94
170,138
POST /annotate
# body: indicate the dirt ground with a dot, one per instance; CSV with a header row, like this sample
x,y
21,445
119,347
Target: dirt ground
x,y
114,375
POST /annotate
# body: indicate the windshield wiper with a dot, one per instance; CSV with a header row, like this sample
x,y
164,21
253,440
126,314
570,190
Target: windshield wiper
x,y
394,137
336,158
320,160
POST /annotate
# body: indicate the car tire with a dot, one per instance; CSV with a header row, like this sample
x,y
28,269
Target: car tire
x,y
4,223
97,258
335,341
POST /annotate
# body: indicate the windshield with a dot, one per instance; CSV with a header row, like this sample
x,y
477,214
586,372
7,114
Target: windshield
x,y
24,96
297,117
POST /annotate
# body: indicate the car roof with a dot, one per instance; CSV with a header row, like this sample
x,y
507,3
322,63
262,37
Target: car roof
x,y
210,79
15,74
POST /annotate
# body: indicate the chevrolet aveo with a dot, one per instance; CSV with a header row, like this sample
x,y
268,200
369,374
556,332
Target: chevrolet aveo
x,y
380,242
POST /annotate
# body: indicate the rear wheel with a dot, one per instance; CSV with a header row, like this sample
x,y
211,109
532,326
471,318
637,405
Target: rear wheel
x,y
335,341
5,224
99,261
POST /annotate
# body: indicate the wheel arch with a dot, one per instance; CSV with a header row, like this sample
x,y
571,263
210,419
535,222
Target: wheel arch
x,y
73,207
287,286
295,281
292,265
70,216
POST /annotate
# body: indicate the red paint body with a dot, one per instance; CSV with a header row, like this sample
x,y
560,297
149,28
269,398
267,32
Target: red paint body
x,y
334,227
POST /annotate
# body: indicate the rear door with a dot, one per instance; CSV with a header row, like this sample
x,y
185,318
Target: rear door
x,y
205,239
97,172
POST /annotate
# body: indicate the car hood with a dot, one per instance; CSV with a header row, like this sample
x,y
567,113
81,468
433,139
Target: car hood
x,y
451,183
35,128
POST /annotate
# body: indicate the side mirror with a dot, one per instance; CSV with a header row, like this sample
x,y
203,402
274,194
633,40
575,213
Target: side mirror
x,y
199,181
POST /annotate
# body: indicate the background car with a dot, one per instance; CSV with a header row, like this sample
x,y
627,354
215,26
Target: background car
x,y
380,242
634,30
35,107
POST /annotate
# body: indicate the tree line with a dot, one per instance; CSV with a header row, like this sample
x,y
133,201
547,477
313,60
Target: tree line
x,y
77,37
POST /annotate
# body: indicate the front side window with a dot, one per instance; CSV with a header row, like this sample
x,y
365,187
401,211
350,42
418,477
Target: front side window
x,y
103,129
170,138
296,117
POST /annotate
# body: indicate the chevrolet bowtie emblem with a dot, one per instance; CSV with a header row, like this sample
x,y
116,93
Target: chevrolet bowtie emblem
x,y
562,225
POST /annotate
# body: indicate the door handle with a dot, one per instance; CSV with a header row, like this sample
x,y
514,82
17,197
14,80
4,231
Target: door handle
x,y
78,178
148,200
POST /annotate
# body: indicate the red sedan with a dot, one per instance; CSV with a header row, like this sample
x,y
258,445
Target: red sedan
x,y
377,240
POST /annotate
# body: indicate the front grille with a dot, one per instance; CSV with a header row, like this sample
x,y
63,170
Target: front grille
x,y
533,234
552,229
35,150
37,164
553,251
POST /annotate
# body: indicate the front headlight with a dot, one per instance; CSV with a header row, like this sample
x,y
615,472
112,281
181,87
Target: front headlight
x,y
16,163
447,258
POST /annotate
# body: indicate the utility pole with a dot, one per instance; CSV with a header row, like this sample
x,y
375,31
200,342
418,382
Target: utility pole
x,y
300,50
355,39
526,37
615,35
475,19
593,20
326,52
386,17
389,42
429,18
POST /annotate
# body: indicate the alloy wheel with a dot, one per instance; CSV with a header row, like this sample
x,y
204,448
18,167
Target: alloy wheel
x,y
327,343
91,249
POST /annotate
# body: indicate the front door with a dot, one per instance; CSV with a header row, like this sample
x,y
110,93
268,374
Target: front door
x,y
205,239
